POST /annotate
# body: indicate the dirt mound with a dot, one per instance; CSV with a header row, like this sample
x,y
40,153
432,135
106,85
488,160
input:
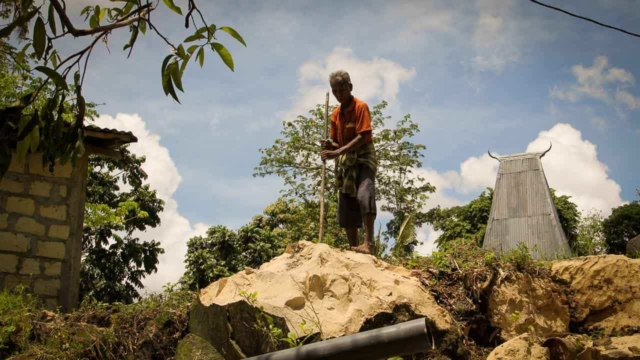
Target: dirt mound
x,y
604,293
522,303
521,347
312,290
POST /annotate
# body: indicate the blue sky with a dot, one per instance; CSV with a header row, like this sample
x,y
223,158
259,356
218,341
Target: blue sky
x,y
503,74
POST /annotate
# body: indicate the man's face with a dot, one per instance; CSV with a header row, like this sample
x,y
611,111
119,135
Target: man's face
x,y
341,91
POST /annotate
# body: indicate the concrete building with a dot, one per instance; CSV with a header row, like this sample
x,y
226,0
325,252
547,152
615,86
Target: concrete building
x,y
41,221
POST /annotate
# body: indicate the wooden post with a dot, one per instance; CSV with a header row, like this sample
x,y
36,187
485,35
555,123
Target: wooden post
x,y
324,170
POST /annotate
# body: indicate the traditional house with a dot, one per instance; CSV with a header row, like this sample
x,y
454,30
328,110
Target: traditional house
x,y
41,221
523,211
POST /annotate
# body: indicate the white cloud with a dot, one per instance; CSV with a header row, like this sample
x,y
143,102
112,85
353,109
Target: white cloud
x,y
599,122
493,40
174,230
600,82
373,79
572,168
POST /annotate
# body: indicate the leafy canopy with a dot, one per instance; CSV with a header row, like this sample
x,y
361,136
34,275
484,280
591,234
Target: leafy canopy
x,y
621,226
114,260
44,128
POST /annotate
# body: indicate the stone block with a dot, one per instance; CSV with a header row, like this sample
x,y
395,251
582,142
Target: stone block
x,y
48,249
30,267
30,226
11,186
4,221
63,191
12,281
8,263
40,188
16,165
47,287
59,232
53,268
13,242
21,205
57,212
36,168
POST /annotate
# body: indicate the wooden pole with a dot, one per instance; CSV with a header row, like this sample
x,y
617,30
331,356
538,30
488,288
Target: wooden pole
x,y
324,170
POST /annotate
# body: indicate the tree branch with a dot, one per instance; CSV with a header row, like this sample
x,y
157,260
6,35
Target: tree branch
x,y
100,29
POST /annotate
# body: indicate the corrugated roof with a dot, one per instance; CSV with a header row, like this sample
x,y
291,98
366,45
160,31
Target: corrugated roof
x,y
123,135
522,209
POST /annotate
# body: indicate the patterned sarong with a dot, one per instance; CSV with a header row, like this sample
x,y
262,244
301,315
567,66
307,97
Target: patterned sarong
x,y
348,169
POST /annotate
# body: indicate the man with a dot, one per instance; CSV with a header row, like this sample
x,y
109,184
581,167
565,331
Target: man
x,y
351,143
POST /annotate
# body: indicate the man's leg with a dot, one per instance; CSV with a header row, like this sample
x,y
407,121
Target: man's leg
x,y
367,202
352,236
349,217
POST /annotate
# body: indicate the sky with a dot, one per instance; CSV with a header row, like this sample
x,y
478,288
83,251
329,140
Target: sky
x,y
504,75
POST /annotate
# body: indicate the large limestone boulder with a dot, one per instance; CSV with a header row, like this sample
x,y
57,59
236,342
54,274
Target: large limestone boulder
x,y
522,347
310,289
605,292
633,247
623,347
522,303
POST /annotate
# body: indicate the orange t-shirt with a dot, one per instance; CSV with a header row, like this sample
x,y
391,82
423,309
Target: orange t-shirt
x,y
355,120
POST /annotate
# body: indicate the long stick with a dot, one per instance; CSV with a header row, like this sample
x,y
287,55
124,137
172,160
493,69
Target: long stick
x,y
324,170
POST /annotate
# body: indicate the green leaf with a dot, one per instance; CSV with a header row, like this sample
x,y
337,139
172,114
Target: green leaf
x,y
54,58
142,24
52,19
184,64
200,57
86,10
39,37
127,8
224,54
76,78
35,139
234,34
194,37
7,30
103,12
176,76
132,40
93,22
163,73
23,147
192,48
172,6
53,75
181,52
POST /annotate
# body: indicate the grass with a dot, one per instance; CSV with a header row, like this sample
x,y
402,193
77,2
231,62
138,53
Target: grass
x,y
148,329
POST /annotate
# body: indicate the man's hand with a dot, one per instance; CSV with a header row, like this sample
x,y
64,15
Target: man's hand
x,y
330,154
327,144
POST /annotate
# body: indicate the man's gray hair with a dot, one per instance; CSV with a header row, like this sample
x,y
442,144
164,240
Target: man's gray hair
x,y
340,76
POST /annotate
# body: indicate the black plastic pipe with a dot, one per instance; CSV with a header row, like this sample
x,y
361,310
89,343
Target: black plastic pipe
x,y
396,340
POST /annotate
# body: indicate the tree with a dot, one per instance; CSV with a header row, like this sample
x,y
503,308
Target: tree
x,y
43,128
295,158
569,217
114,261
621,226
462,222
212,257
470,221
590,239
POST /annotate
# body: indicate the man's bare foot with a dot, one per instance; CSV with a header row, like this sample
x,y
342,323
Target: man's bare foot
x,y
364,248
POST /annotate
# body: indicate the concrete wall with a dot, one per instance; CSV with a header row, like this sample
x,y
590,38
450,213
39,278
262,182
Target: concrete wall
x,y
41,217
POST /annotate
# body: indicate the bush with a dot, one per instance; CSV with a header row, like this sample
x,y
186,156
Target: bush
x,y
148,329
